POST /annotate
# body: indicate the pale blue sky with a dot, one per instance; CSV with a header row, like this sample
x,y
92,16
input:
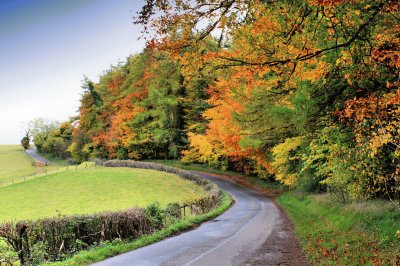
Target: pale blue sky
x,y
46,46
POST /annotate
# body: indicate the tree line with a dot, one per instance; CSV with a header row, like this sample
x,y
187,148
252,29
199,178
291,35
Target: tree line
x,y
303,92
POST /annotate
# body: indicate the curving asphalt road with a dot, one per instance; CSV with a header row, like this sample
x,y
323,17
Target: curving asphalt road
x,y
231,239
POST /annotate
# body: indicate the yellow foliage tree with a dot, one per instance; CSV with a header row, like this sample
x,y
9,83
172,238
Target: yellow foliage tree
x,y
285,161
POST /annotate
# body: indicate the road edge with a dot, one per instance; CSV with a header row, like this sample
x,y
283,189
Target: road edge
x,y
295,254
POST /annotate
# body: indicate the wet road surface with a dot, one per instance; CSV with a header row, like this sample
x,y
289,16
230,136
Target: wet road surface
x,y
230,239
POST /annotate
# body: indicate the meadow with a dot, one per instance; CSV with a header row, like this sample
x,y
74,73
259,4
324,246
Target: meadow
x,y
92,190
14,162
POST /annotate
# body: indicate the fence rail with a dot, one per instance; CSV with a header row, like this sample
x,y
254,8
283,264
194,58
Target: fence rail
x,y
45,171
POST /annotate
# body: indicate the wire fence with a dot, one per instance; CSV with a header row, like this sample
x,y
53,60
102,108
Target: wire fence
x,y
45,170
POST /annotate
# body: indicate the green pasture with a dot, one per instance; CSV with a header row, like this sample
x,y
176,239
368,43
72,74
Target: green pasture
x,y
14,162
92,190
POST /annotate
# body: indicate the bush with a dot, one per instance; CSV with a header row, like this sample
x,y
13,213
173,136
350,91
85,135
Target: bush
x,y
155,214
173,210
311,183
25,142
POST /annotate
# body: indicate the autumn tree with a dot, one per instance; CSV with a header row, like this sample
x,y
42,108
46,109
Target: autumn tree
x,y
286,70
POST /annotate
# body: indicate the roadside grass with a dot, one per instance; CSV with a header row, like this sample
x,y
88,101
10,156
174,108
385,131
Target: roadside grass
x,y
259,182
358,233
92,190
108,250
14,162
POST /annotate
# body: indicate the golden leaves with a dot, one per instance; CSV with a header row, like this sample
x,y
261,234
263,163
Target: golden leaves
x,y
283,160
376,121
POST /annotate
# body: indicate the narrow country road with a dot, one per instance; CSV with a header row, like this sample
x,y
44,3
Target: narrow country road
x,y
249,233
33,153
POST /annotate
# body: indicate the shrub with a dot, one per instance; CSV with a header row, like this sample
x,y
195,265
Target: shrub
x,y
7,254
25,142
155,214
309,182
173,210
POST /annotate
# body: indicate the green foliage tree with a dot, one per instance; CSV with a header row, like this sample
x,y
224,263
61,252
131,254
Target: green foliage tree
x,y
323,70
52,137
305,91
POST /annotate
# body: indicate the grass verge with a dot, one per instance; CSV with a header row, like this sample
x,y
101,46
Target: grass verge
x,y
112,249
362,233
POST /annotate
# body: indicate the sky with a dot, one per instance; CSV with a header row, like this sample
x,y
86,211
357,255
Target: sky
x,y
46,48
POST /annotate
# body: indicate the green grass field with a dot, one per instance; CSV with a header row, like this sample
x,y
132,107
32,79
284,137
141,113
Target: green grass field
x,y
358,233
14,162
92,190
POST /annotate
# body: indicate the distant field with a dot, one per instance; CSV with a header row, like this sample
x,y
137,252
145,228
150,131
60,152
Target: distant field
x,y
14,162
92,190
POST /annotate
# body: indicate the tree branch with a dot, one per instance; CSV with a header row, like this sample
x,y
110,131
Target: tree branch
x,y
309,55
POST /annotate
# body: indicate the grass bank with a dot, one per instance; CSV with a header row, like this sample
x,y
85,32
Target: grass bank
x,y
359,233
108,250
92,190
